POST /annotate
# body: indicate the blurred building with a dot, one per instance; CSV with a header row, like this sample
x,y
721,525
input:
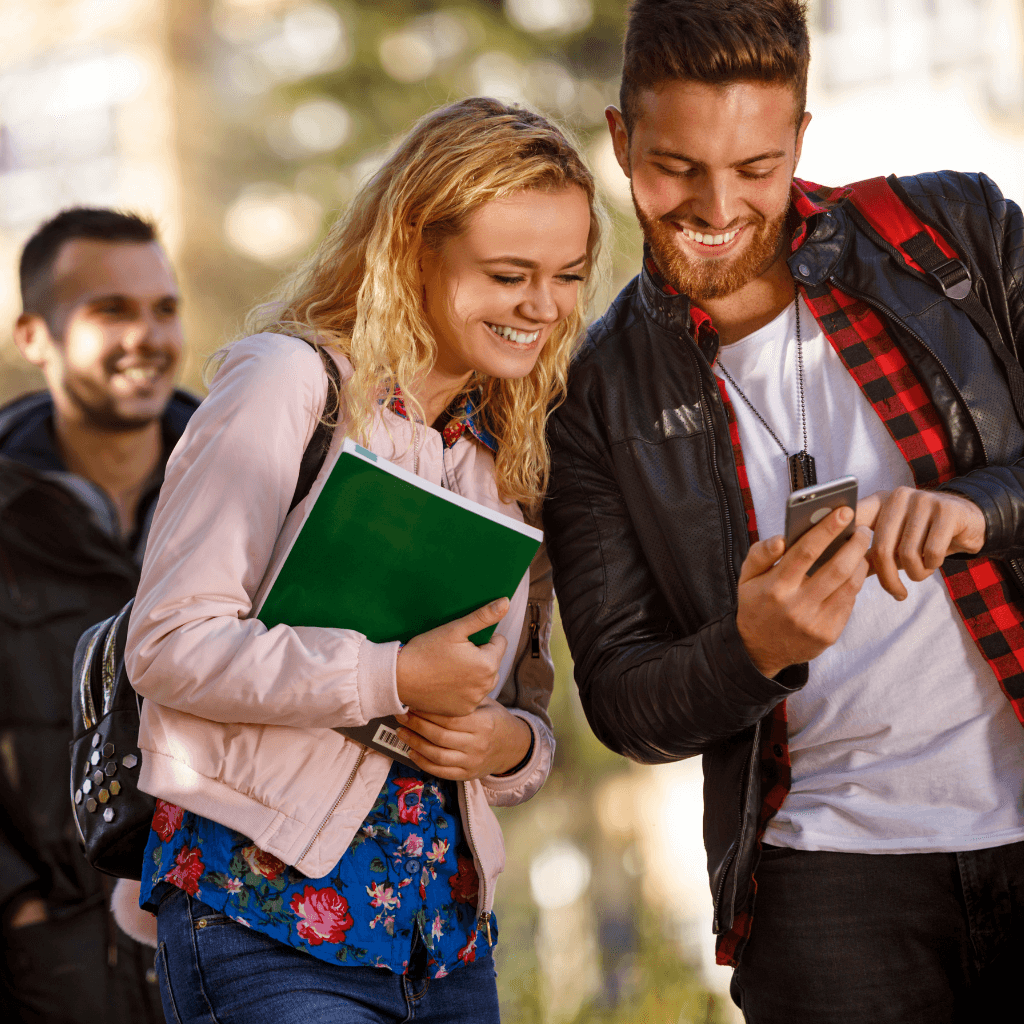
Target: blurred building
x,y
86,116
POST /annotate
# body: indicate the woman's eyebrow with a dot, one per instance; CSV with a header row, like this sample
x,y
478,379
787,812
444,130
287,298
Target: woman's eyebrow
x,y
518,261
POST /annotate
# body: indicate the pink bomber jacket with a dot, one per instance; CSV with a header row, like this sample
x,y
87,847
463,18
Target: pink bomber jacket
x,y
237,720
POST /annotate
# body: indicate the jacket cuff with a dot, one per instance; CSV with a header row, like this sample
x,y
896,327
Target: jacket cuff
x,y
1000,523
376,680
737,666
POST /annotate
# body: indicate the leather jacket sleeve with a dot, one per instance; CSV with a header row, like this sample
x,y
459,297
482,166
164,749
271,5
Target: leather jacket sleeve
x,y
994,243
649,692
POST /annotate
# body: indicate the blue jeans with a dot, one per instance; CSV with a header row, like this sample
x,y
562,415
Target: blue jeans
x,y
214,970
916,938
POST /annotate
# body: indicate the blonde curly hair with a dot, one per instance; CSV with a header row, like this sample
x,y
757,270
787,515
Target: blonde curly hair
x,y
359,291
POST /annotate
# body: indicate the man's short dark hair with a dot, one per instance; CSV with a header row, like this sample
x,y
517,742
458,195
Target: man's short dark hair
x,y
715,42
41,250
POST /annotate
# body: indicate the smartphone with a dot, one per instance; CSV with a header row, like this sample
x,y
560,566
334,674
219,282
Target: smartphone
x,y
809,505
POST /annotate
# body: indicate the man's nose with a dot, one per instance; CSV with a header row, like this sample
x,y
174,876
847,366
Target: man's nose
x,y
717,203
143,334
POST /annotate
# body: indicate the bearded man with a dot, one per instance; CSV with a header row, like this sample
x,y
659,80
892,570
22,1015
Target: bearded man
x,y
859,726
81,464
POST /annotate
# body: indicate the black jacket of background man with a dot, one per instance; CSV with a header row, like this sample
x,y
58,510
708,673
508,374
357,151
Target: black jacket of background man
x,y
645,522
63,567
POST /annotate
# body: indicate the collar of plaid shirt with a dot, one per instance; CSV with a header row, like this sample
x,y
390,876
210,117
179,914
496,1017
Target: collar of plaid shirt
x,y
980,589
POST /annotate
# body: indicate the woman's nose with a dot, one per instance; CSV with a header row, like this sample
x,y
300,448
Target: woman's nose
x,y
539,305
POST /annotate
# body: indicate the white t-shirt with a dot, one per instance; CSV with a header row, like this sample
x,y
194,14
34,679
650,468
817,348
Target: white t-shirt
x,y
901,741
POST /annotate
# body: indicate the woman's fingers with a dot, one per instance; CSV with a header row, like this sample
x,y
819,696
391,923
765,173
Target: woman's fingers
x,y
439,735
450,757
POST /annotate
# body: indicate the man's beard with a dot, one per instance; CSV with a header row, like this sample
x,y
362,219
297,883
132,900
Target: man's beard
x,y
100,410
701,279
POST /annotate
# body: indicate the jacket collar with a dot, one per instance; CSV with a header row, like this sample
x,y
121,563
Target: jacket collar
x,y
29,453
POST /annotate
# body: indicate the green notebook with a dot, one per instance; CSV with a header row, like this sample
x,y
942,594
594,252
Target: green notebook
x,y
391,555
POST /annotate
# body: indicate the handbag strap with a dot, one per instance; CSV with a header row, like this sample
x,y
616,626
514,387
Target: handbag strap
x,y
319,444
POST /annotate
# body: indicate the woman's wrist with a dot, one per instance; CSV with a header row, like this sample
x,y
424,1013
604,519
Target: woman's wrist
x,y
522,744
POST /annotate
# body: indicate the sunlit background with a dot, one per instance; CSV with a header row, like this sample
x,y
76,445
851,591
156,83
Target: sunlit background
x,y
243,126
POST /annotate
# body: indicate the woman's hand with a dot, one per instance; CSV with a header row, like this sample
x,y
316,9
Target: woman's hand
x,y
488,741
443,672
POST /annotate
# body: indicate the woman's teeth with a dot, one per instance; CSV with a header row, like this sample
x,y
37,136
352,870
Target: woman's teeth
x,y
519,337
696,236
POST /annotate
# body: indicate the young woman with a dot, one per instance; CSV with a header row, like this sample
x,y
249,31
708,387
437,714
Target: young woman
x,y
297,875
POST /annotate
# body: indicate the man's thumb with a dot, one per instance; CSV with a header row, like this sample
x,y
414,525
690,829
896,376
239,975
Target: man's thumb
x,y
486,616
761,557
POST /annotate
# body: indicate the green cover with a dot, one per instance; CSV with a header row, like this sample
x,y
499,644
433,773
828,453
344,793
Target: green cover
x,y
391,555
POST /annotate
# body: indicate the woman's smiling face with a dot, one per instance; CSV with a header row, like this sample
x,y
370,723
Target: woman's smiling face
x,y
494,293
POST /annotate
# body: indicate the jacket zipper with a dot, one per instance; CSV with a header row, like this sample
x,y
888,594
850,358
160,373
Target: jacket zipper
x,y
533,607
721,489
483,923
735,585
334,806
1018,573
889,315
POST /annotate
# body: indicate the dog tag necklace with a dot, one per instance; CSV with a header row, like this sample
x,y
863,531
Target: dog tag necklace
x,y
801,465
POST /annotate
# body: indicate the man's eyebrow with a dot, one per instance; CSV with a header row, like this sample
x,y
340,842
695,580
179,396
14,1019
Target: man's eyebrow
x,y
775,154
93,300
518,261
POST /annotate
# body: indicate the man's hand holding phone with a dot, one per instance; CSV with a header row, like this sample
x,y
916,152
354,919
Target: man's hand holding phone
x,y
786,617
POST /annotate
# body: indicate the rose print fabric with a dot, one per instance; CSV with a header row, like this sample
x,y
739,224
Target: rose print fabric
x,y
408,868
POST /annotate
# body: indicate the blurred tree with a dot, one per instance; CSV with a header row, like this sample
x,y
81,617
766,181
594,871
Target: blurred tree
x,y
285,106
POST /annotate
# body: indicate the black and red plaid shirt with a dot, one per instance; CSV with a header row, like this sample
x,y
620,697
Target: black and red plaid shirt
x,y
980,588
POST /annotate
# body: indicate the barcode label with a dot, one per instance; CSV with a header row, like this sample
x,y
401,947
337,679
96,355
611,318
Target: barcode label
x,y
386,738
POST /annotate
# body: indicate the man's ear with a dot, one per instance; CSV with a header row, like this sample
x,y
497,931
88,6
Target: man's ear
x,y
32,336
804,122
620,137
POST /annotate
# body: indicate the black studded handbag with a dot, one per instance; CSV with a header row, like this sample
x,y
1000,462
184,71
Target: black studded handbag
x,y
112,814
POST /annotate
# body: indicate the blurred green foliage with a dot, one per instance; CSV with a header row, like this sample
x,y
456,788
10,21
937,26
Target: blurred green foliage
x,y
644,977
233,136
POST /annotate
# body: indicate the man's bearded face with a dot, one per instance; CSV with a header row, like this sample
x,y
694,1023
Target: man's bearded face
x,y
712,277
710,170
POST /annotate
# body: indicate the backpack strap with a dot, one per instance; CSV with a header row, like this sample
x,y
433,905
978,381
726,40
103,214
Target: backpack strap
x,y
884,210
319,444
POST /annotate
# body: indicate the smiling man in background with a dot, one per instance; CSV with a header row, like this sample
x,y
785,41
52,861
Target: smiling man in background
x,y
863,756
81,465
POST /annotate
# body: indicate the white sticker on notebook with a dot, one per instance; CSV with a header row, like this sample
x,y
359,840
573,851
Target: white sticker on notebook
x,y
388,738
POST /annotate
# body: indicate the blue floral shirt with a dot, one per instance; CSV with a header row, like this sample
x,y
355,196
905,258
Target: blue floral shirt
x,y
408,867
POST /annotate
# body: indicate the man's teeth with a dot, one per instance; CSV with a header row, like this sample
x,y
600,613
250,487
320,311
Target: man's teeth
x,y
519,337
696,236
141,374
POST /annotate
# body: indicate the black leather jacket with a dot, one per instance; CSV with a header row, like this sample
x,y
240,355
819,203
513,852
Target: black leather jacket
x,y
63,567
645,522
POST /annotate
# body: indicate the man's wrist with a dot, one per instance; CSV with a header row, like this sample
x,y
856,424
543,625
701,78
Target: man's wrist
x,y
27,908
